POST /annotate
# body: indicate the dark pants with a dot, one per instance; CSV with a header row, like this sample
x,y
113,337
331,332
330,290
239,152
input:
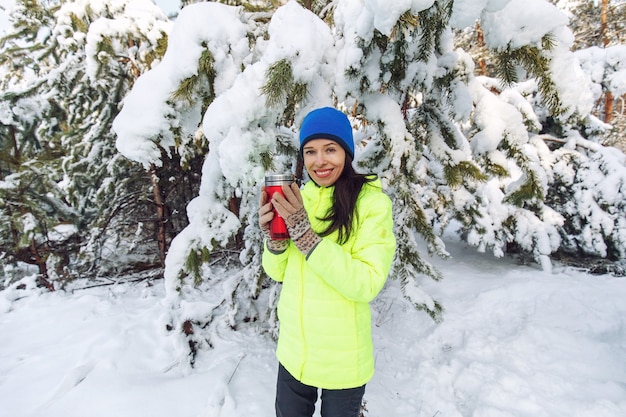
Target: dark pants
x,y
295,399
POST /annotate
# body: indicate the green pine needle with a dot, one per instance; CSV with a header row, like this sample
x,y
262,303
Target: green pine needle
x,y
279,78
456,174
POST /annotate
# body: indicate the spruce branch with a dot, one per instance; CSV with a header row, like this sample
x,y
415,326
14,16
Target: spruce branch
x,y
537,64
408,22
494,169
185,89
433,22
280,88
410,267
267,161
259,8
530,190
195,259
78,24
464,170
188,88
159,51
279,78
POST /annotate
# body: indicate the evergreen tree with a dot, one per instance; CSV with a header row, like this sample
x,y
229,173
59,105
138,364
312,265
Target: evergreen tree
x,y
33,203
598,27
72,64
587,186
562,129
589,25
199,258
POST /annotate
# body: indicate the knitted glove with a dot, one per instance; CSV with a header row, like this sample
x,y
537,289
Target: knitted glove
x,y
300,231
275,246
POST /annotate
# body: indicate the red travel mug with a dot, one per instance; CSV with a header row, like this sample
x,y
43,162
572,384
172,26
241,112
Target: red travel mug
x,y
273,184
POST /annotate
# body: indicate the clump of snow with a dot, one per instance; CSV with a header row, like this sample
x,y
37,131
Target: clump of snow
x,y
386,14
606,67
146,122
466,13
521,22
496,121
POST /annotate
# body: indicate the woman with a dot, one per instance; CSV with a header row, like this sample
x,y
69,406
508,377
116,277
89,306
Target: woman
x,y
337,260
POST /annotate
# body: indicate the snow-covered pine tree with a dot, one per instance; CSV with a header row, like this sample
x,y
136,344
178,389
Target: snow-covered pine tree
x,y
446,143
71,64
104,48
568,127
588,187
590,26
217,61
587,181
598,27
32,204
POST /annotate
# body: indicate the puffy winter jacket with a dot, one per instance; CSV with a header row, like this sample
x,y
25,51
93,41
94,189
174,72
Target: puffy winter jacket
x,y
325,319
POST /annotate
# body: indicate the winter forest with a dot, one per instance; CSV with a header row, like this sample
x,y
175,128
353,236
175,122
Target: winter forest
x,y
133,143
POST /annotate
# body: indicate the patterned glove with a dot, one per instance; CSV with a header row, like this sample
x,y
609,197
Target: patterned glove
x,y
275,246
300,231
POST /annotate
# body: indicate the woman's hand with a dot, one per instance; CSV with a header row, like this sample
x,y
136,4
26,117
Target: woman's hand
x,y
288,204
266,214
291,208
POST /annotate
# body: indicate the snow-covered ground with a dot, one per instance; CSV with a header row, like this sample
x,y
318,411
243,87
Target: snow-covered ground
x,y
516,341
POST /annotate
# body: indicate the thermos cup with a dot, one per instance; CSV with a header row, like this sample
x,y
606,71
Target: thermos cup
x,y
273,184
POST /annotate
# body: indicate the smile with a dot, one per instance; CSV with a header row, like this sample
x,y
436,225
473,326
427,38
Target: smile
x,y
323,173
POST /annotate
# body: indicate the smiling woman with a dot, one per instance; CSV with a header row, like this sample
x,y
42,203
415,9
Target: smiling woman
x,y
324,160
325,140
341,248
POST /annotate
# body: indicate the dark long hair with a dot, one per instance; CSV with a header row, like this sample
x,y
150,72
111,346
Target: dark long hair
x,y
341,213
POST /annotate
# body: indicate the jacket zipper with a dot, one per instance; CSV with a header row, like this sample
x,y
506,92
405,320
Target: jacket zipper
x,y
304,343
321,191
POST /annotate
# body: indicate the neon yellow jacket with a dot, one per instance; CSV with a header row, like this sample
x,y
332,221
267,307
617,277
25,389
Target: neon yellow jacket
x,y
325,319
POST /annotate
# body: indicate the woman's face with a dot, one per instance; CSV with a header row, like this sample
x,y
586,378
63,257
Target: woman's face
x,y
324,160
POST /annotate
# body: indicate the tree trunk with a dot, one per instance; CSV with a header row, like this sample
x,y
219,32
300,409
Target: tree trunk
x,y
161,212
608,107
480,39
234,205
300,169
40,261
608,96
603,13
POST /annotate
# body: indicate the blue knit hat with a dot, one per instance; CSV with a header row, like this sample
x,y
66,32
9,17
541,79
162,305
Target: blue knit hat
x,y
327,123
